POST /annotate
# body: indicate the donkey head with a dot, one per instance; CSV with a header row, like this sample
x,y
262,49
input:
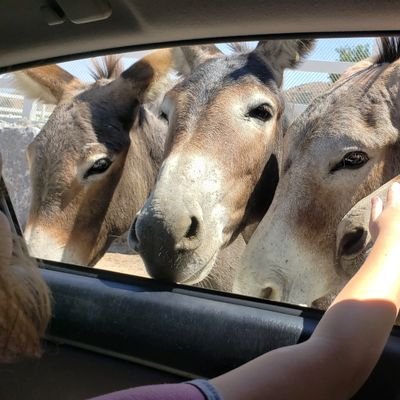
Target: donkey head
x,y
342,148
225,124
92,165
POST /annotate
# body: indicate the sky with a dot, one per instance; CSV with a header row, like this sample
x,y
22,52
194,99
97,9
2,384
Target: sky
x,y
324,50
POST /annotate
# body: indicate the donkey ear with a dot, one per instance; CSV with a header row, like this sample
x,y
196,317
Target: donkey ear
x,y
143,82
48,84
147,78
188,58
360,66
282,54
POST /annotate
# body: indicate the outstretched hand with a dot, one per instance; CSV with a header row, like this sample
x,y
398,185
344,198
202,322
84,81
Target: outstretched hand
x,y
385,219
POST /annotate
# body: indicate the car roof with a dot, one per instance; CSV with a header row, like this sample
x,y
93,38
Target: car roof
x,y
45,31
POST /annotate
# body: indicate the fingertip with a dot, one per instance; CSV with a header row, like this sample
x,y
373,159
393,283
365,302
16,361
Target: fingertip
x,y
396,186
376,207
393,195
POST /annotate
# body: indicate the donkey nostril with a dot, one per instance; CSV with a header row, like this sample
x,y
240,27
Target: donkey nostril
x,y
192,238
193,229
353,242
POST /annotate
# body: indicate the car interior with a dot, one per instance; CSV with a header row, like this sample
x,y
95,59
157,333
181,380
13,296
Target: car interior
x,y
112,330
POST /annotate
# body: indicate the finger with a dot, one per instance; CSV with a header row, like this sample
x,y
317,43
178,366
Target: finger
x,y
376,208
393,195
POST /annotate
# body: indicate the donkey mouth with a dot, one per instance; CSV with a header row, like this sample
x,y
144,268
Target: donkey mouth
x,y
201,273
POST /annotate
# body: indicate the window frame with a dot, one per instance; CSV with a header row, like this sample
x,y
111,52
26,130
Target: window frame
x,y
287,323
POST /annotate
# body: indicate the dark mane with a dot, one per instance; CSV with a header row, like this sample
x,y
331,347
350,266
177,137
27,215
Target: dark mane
x,y
388,50
108,67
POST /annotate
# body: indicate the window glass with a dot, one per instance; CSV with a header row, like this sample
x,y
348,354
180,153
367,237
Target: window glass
x,y
82,148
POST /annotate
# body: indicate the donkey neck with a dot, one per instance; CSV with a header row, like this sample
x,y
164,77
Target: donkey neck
x,y
144,157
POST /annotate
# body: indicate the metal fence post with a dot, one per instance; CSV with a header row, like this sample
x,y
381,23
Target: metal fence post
x,y
28,108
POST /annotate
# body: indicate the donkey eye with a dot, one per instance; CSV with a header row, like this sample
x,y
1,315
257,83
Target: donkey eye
x,y
262,112
352,160
164,116
99,166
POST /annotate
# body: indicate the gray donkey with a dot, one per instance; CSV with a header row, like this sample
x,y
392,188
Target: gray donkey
x,y
220,169
342,148
95,161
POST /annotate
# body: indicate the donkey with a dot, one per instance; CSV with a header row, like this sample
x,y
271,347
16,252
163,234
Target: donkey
x,y
353,238
95,161
25,304
343,147
222,149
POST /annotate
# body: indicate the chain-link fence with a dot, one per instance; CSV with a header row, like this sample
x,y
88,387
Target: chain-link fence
x,y
327,61
14,106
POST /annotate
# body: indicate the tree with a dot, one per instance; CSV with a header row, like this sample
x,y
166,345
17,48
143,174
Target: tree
x,y
351,54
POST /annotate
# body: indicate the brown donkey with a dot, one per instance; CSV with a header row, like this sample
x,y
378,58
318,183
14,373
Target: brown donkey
x,y
218,178
95,161
344,146
24,298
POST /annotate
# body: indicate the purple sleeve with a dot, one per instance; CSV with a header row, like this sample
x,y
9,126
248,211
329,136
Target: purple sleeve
x,y
194,390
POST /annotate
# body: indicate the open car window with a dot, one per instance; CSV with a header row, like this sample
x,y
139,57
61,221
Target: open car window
x,y
82,157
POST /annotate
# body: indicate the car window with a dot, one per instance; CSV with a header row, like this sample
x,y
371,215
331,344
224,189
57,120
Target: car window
x,y
164,167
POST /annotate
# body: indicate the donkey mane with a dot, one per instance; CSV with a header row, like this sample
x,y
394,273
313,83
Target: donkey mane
x,y
239,47
388,50
108,67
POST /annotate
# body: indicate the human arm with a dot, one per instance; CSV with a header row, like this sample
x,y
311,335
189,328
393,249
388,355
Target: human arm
x,y
350,337
198,389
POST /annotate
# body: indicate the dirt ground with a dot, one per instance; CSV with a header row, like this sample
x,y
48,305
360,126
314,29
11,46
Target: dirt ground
x,y
119,258
130,264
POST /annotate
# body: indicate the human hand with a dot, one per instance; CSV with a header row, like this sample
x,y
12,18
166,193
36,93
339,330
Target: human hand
x,y
385,219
